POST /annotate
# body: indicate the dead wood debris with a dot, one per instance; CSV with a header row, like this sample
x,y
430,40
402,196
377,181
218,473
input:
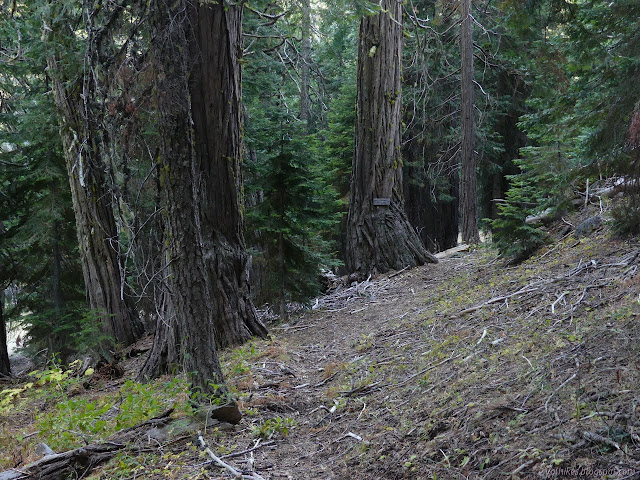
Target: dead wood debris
x,y
340,298
599,439
237,474
79,462
584,276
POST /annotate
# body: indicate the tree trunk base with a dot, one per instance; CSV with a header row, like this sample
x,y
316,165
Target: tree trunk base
x,y
165,352
235,319
384,240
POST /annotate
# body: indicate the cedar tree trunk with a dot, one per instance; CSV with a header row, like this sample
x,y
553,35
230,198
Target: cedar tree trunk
x,y
216,91
95,223
192,328
468,180
379,235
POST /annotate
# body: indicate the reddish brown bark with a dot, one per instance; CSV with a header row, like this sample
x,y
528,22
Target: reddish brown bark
x,y
468,160
380,237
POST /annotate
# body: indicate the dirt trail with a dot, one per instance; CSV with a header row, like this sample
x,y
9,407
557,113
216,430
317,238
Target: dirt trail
x,y
466,369
344,386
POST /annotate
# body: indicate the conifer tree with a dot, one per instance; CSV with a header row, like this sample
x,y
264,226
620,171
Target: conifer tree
x,y
77,89
38,243
295,213
215,88
379,236
468,159
293,207
189,335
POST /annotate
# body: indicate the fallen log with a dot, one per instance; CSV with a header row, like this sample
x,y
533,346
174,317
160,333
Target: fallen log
x,y
452,251
545,216
80,461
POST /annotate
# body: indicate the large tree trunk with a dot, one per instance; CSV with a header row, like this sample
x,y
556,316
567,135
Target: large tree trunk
x,y
189,281
5,366
216,92
95,223
468,180
379,236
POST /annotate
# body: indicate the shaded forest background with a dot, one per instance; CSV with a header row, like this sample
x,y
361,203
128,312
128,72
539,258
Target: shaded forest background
x,y
555,110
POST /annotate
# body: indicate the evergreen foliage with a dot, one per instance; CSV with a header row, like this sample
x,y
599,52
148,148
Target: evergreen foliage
x,y
512,236
38,242
292,203
584,73
292,220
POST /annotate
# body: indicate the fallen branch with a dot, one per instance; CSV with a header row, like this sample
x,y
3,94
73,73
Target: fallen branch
x,y
349,435
248,450
546,404
363,390
398,272
599,439
326,380
553,305
236,473
524,466
544,216
422,372
522,291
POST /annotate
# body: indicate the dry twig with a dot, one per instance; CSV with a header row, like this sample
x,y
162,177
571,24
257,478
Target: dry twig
x,y
236,473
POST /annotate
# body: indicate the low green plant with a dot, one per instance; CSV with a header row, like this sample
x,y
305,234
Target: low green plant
x,y
86,419
273,426
77,418
8,395
55,378
140,401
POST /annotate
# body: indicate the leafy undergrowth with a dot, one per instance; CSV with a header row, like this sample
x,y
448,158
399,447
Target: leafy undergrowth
x,y
470,368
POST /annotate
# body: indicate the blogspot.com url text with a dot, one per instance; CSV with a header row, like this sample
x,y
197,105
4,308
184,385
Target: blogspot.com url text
x,y
588,473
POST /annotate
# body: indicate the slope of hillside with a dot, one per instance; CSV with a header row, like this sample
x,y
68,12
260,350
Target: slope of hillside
x,y
470,368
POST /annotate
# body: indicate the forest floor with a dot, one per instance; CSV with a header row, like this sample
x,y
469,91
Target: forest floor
x,y
471,368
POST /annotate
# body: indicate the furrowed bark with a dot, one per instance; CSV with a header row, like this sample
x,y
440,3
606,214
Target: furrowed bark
x,y
215,88
379,235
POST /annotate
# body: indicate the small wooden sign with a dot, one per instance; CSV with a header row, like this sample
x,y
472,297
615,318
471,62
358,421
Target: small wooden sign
x,y
381,202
